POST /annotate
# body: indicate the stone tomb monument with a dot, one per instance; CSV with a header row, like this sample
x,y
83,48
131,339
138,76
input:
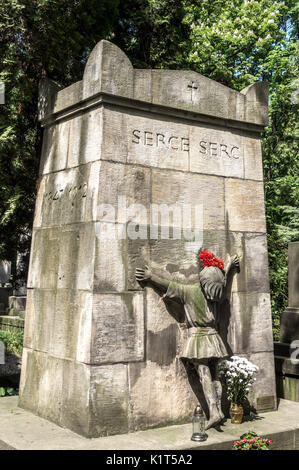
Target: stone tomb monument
x,y
101,351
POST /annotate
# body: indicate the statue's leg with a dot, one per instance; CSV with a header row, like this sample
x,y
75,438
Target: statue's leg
x,y
210,394
218,389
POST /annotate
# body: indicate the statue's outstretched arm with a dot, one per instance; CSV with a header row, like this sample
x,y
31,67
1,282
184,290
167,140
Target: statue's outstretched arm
x,y
145,275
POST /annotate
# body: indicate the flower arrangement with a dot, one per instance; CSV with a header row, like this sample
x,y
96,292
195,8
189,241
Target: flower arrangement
x,y
251,441
207,258
238,375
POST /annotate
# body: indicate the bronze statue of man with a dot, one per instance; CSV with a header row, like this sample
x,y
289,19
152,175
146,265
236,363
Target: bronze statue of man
x,y
201,301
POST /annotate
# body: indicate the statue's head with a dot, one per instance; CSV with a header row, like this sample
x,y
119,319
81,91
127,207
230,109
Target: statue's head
x,y
211,274
207,259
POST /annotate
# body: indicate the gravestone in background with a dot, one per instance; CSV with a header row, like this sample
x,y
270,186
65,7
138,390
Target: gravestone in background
x,y
100,352
287,349
5,271
5,287
289,321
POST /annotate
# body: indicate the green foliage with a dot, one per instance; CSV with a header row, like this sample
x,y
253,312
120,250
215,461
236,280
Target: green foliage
x,y
230,39
8,391
13,341
153,33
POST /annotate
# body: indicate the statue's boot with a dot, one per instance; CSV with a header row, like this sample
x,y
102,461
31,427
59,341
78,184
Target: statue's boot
x,y
214,420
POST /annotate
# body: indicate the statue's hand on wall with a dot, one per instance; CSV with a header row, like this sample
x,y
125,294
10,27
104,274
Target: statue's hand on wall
x,y
143,274
236,262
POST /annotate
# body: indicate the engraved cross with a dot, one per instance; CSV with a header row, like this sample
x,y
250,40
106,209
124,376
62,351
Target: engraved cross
x,y
192,87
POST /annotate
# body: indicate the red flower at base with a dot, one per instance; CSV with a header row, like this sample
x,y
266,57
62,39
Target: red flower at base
x,y
209,259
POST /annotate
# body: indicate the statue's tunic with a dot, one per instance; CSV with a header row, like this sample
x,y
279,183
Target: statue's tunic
x,y
200,305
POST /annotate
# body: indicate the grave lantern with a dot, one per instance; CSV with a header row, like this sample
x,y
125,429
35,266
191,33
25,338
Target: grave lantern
x,y
199,424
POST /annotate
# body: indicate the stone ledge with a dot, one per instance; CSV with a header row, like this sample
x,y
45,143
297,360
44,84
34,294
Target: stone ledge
x,y
21,429
158,110
284,366
10,322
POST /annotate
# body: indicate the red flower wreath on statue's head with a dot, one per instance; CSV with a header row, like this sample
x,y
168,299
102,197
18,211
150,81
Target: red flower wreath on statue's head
x,y
207,258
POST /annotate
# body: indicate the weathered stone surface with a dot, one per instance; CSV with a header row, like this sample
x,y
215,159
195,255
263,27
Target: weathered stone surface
x,y
167,398
256,102
68,197
55,147
75,396
47,98
216,151
58,258
253,162
117,328
192,190
256,262
193,92
48,267
89,400
244,205
72,142
138,254
110,259
108,70
59,323
125,188
175,260
250,328
263,394
68,97
41,384
109,397
157,143
85,141
115,138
